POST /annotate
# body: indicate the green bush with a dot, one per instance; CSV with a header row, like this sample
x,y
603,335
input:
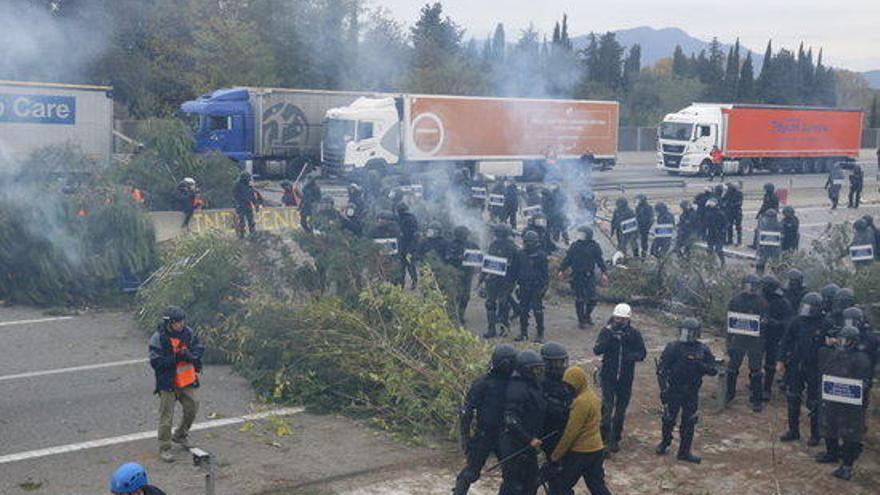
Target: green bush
x,y
167,158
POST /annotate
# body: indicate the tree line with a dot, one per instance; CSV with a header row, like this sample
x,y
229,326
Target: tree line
x,y
159,53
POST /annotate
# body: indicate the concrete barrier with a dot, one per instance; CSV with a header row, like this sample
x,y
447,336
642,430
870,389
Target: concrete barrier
x,y
168,224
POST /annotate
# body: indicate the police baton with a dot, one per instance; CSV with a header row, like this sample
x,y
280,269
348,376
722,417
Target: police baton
x,y
517,453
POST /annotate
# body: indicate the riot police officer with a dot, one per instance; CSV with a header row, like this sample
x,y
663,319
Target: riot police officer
x,y
625,227
356,210
499,287
843,299
769,239
433,243
485,399
583,257
791,237
408,243
745,337
862,245
511,203
845,372
828,292
733,211
523,423
455,257
538,223
663,230
557,394
644,219
532,279
687,228
716,228
680,375
868,341
621,347
793,287
769,202
798,360
778,313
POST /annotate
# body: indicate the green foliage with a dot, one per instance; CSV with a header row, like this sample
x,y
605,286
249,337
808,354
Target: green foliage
x,y
168,158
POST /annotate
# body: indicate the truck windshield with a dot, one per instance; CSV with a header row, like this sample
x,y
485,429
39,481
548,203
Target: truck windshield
x,y
337,132
676,131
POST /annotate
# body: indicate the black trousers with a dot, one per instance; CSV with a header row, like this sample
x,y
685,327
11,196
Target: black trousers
x,y
755,354
509,216
616,395
479,448
519,475
187,216
643,241
686,403
848,452
465,281
660,246
498,296
245,218
734,223
531,300
583,284
408,266
855,194
797,380
577,465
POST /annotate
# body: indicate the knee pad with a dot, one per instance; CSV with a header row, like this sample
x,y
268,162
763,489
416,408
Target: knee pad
x,y
470,475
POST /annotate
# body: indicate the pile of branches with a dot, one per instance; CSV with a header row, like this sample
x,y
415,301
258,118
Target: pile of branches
x,y
68,236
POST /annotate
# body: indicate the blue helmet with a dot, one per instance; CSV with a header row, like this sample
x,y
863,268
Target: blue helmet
x,y
128,478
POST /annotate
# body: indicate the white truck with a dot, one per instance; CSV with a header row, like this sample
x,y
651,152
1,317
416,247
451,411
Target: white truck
x,y
35,115
757,137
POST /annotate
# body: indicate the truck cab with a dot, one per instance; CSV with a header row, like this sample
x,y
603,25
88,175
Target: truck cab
x,y
685,139
365,134
223,122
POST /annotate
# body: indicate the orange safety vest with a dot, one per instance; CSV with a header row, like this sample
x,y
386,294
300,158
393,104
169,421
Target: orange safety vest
x,y
185,374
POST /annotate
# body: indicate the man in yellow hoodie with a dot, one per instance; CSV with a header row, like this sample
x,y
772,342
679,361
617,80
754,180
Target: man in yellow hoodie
x,y
580,450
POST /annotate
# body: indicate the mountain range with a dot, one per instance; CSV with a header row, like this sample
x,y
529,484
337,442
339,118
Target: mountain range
x,y
660,43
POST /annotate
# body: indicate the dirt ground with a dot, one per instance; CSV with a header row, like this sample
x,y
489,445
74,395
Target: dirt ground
x,y
739,448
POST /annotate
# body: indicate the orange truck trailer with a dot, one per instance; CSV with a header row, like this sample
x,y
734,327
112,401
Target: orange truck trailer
x,y
755,137
470,131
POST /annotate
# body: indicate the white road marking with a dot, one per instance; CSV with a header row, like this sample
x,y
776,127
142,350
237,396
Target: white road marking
x,y
74,369
38,320
146,435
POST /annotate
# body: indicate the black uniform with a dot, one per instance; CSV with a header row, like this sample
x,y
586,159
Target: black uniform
x,y
740,345
584,257
856,183
680,370
532,279
186,201
524,411
791,237
767,224
558,396
455,257
777,316
436,245
511,205
700,202
485,398
716,231
660,246
733,211
799,353
645,219
620,348
311,196
408,244
625,241
557,221
355,213
833,185
840,420
687,229
246,202
769,202
793,294
500,288
388,230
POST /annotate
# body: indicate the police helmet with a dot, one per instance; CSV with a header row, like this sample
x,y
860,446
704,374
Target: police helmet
x,y
751,282
661,207
245,176
794,278
587,231
641,198
811,305
174,313
286,184
860,225
770,284
847,336
685,204
531,238
769,187
689,330
869,219
828,293
788,211
853,316
529,364
621,203
504,358
402,208
353,189
461,233
555,358
845,298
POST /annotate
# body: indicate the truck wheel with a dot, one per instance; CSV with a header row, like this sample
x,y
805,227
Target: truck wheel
x,y
746,167
705,167
380,166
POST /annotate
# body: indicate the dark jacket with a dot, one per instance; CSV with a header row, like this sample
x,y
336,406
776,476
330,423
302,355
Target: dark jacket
x,y
733,202
770,202
511,198
485,398
682,367
779,313
619,215
583,257
455,254
619,355
163,360
532,269
790,233
844,421
800,344
503,248
716,226
524,410
409,232
437,245
245,195
750,304
644,215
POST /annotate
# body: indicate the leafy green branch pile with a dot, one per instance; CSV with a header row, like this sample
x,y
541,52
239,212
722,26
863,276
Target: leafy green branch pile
x,y
67,237
699,286
311,321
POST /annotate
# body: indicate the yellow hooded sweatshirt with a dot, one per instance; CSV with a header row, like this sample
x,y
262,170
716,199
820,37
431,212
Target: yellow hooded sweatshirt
x,y
582,430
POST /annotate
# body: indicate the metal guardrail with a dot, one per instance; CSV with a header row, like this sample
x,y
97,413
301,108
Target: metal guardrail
x,y
641,184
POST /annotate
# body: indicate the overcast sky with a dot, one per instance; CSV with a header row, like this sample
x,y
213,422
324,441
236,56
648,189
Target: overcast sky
x,y
849,30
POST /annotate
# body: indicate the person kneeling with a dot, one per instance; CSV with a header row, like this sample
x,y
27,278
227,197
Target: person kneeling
x,y
580,452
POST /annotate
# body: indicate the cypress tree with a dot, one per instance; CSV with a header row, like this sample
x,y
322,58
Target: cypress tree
x,y
499,43
745,91
874,117
762,84
731,73
632,66
679,62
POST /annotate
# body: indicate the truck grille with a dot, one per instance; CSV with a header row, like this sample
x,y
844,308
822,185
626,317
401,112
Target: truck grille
x,y
671,161
673,148
334,159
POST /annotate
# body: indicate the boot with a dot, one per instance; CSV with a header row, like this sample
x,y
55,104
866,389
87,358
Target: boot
x,y
539,324
684,449
843,472
731,387
769,374
757,391
666,439
794,421
831,454
815,436
461,486
490,332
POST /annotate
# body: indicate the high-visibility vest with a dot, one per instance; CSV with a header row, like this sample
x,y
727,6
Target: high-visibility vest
x,y
185,374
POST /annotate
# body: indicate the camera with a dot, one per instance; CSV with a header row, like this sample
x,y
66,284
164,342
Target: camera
x,y
200,457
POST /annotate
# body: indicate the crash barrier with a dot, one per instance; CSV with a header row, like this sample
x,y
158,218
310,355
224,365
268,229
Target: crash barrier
x,y
169,224
640,184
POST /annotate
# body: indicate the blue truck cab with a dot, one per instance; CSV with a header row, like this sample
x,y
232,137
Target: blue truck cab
x,y
225,123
